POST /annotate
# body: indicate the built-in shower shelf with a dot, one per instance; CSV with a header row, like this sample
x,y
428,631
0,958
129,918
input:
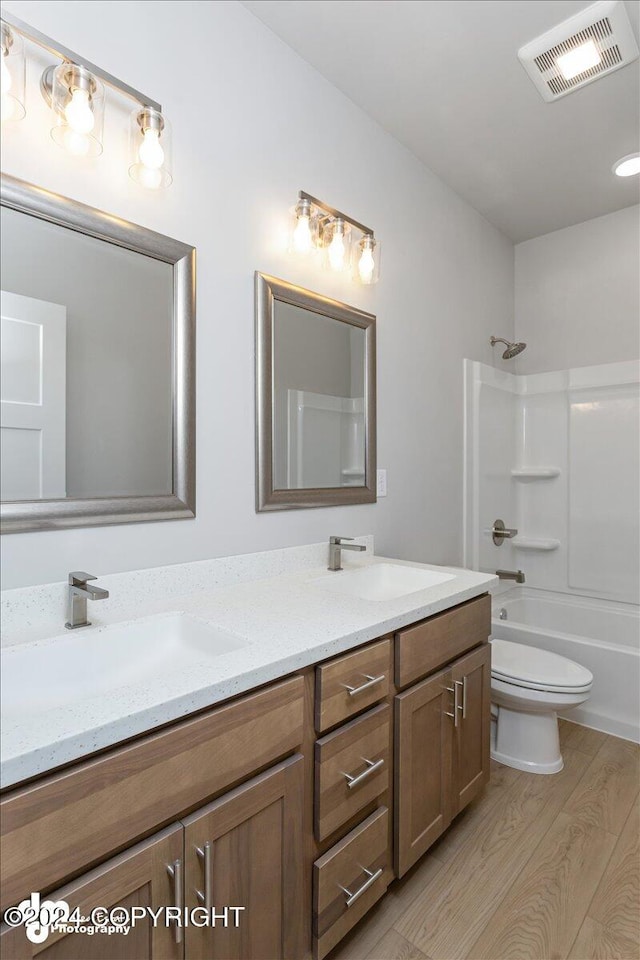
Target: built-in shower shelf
x,y
535,473
533,543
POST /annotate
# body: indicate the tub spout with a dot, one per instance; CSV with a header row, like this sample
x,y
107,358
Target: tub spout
x,y
516,575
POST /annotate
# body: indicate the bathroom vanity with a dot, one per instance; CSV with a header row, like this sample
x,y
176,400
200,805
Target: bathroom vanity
x,y
299,800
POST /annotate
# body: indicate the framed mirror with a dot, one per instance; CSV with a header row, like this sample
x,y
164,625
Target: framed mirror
x,y
315,399
98,367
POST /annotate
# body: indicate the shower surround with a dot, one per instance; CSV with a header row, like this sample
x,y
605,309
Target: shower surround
x,y
557,455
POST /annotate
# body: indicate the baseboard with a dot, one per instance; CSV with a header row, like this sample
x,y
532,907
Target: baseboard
x,y
599,721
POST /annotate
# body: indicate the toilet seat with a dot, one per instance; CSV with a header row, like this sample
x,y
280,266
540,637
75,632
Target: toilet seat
x,y
534,669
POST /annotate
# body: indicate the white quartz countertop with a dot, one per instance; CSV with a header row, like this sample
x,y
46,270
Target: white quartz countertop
x,y
286,623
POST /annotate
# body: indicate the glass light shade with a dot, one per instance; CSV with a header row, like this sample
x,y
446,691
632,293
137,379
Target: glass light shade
x,y
77,102
365,260
13,74
336,238
303,235
150,149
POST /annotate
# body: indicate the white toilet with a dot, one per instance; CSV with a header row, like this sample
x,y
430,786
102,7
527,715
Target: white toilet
x,y
528,687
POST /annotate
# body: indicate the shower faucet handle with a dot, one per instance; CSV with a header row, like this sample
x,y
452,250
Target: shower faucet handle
x,y
500,533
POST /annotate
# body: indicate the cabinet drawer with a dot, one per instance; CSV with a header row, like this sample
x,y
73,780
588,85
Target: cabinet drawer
x,y
433,643
349,879
349,684
351,769
70,821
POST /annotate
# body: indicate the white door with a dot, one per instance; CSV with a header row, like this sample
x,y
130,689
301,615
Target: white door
x,y
33,398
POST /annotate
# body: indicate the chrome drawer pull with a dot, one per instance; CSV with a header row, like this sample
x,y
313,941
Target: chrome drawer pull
x,y
206,855
371,879
463,708
175,872
454,715
371,682
372,766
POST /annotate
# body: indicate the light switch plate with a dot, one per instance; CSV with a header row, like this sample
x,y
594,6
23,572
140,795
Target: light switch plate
x,y
381,483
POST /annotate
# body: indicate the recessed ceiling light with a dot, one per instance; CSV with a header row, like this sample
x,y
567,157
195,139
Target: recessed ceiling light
x,y
628,166
578,60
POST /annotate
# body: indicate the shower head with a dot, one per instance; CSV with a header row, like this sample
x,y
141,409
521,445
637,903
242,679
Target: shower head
x,y
513,349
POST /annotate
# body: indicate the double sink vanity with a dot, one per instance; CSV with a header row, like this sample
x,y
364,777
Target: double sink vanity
x,y
278,737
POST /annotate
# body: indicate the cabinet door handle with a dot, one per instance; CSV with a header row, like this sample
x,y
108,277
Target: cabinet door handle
x,y
463,708
175,872
372,766
371,879
454,715
205,854
371,682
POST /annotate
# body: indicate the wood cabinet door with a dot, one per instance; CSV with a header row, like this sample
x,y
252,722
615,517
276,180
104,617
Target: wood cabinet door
x,y
423,745
139,877
471,676
245,850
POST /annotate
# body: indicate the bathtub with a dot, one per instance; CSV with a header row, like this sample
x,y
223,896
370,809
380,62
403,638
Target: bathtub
x,y
600,634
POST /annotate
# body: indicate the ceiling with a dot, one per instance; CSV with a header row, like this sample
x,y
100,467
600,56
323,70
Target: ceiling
x,y
443,77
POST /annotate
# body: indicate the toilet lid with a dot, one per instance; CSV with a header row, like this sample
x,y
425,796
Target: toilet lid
x,y
532,667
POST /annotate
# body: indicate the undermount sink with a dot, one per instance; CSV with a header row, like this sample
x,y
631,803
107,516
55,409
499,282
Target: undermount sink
x,y
380,581
41,676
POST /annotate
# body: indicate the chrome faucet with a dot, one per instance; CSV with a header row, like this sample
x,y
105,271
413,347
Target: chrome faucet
x,y
78,593
336,546
516,575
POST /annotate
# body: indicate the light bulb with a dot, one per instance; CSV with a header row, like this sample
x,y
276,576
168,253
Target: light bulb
x,y
579,60
78,112
366,264
7,107
149,178
77,144
337,250
302,234
7,79
150,151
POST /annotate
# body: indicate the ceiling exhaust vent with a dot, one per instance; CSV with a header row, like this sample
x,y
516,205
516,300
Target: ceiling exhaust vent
x,y
580,50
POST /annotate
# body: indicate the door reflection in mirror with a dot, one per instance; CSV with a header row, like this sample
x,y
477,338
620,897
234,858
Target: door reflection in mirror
x,y
318,400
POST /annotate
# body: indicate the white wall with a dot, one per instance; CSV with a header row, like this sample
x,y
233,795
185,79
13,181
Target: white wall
x,y
578,294
252,125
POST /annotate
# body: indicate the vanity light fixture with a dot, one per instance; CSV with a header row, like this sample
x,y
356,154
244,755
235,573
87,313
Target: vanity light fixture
x,y
345,244
13,71
75,91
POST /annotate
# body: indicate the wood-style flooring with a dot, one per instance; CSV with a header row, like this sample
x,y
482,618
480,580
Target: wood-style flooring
x,y
538,868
